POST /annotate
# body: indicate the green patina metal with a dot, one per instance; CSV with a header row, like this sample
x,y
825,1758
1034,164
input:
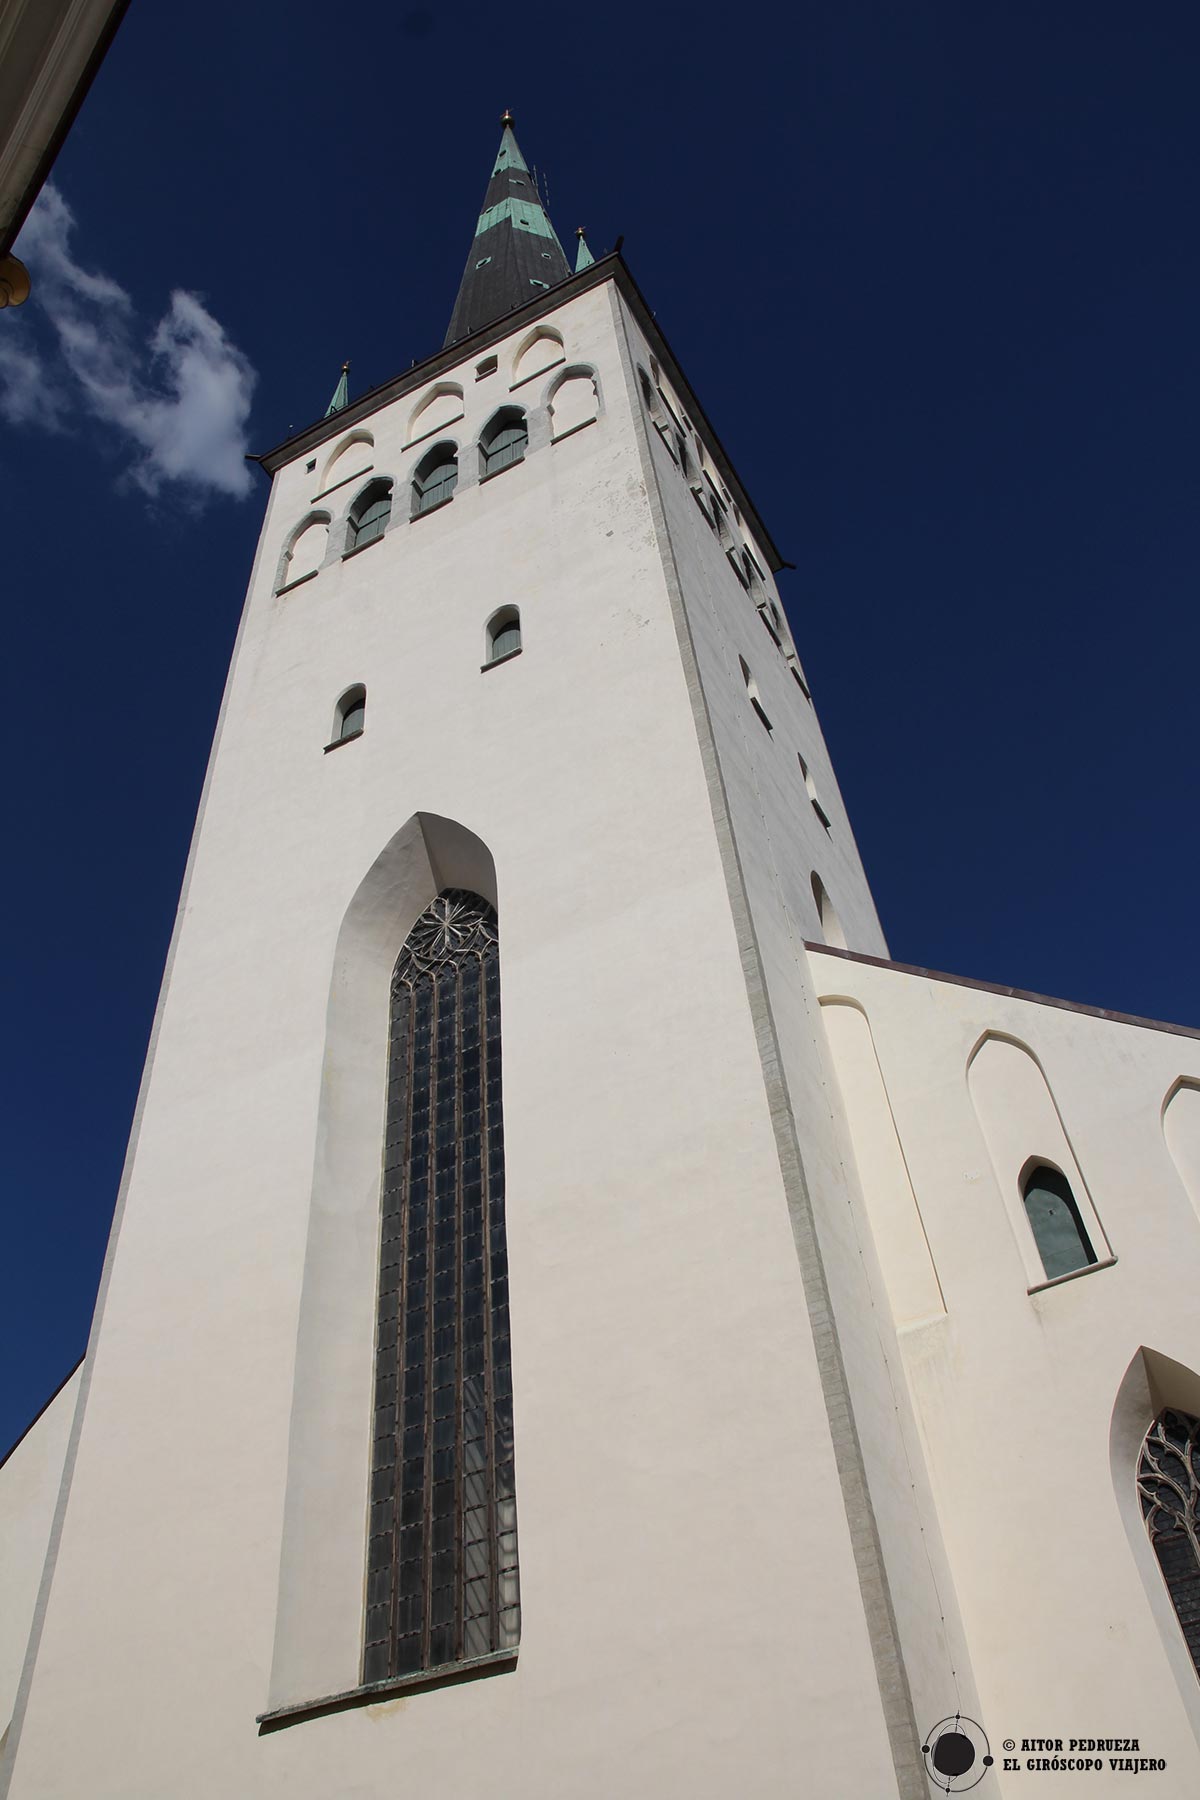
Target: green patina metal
x,y
341,393
515,251
509,156
523,215
583,256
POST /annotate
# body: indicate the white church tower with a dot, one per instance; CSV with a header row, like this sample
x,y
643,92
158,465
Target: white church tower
x,y
580,1321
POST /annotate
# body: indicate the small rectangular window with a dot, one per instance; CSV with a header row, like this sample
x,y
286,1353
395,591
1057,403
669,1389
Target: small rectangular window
x,y
487,367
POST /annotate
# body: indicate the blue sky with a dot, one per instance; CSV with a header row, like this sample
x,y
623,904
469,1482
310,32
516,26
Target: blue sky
x,y
934,272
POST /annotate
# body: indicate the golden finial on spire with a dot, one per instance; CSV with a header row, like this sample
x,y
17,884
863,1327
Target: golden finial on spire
x,y
506,117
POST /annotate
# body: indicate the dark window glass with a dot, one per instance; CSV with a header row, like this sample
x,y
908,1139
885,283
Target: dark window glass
x,y
504,443
354,715
442,1561
369,518
1169,1488
506,637
1050,1206
435,480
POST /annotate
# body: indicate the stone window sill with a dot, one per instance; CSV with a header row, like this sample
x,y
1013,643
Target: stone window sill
x,y
357,476
299,582
357,549
1039,1287
544,370
497,660
493,473
348,739
433,430
500,1662
583,424
426,511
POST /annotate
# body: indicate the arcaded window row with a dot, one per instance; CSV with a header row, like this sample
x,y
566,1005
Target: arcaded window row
x,y
573,401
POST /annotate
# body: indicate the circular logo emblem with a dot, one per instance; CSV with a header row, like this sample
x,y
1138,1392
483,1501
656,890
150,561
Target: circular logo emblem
x,y
957,1754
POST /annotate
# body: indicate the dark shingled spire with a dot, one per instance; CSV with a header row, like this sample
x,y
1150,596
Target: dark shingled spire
x,y
515,255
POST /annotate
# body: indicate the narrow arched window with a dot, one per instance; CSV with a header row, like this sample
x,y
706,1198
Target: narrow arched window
x,y
1168,1480
810,788
352,712
442,1560
436,479
831,925
752,690
503,442
369,515
1054,1219
504,634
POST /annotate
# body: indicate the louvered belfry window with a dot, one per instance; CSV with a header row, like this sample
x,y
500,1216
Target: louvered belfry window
x,y
442,1584
1168,1481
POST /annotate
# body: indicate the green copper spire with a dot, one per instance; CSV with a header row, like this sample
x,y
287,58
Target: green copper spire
x,y
583,256
509,155
341,393
515,255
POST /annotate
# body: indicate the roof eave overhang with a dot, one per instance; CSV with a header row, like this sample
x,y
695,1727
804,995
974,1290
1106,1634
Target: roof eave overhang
x,y
606,268
68,49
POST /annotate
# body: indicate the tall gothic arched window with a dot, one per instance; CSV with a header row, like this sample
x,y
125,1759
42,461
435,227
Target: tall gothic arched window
x,y
442,1585
1169,1488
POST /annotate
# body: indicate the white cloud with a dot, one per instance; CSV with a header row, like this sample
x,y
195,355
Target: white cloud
x,y
179,396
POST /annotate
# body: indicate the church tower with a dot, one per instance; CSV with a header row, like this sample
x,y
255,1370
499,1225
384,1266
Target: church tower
x,y
500,1382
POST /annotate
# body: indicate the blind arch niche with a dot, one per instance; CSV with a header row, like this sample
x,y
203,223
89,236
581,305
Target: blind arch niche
x,y
442,1584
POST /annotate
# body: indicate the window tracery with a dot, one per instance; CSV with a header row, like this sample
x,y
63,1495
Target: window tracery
x,y
442,1583
1168,1481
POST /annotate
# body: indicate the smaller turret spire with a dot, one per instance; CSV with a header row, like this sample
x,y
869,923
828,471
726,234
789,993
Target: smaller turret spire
x,y
341,393
583,256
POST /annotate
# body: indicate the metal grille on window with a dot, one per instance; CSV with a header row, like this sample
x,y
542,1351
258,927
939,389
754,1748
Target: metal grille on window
x,y
434,484
1168,1481
371,521
442,1585
505,446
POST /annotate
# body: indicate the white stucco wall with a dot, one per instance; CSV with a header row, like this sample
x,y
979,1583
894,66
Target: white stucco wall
x,y
776,843
691,1601
1032,1404
29,1482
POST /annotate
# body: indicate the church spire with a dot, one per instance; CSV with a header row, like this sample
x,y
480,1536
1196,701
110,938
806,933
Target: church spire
x,y
341,393
583,256
515,254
